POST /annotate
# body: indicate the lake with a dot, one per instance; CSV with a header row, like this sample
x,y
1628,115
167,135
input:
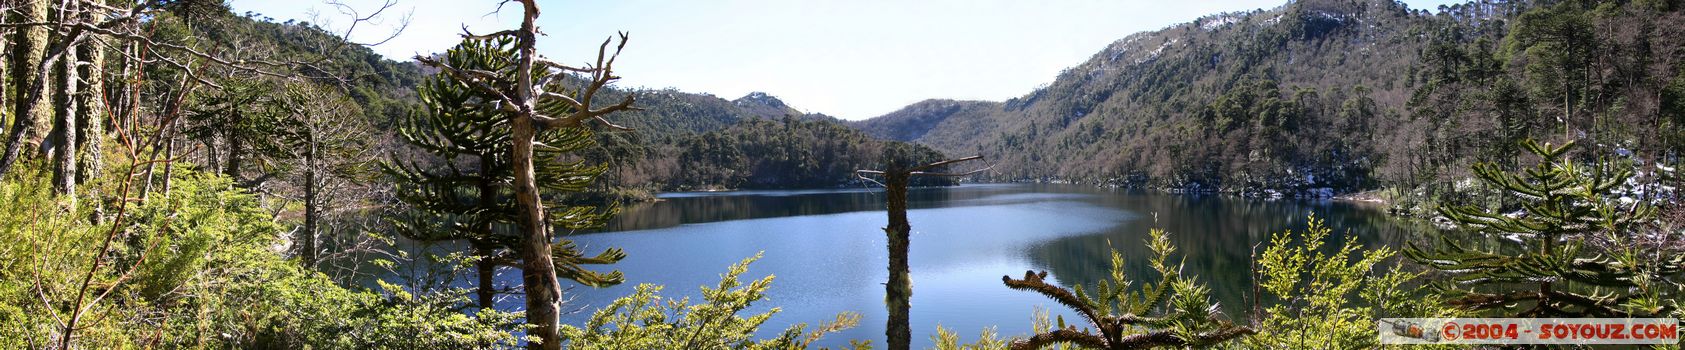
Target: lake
x,y
827,248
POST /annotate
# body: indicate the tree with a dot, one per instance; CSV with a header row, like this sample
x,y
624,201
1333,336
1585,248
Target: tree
x,y
533,103
1328,296
464,192
898,292
1564,253
1119,316
329,149
1558,44
248,120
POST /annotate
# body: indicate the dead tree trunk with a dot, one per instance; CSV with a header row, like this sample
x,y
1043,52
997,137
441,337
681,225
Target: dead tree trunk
x,y
898,292
538,266
538,270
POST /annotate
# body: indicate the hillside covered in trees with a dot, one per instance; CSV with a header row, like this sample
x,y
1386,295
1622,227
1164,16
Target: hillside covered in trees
x,y
177,175
1343,94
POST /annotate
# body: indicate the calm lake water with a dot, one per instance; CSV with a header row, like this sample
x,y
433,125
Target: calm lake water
x,y
827,251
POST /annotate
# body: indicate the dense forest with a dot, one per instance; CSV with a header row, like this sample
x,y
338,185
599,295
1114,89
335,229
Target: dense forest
x,y
177,175
755,141
1340,94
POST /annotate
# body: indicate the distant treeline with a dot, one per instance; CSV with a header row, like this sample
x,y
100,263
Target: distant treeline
x,y
787,152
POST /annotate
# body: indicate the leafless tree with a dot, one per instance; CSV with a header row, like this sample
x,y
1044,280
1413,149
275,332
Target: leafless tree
x,y
899,290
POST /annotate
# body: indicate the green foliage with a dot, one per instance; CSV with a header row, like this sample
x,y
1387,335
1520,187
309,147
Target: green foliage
x,y
1239,102
788,153
1567,251
463,188
987,340
1174,312
196,268
1327,296
645,320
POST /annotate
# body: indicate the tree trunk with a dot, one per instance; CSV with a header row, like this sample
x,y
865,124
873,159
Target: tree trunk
x,y
31,116
93,120
5,72
63,147
312,210
30,48
169,166
485,268
235,153
538,270
898,293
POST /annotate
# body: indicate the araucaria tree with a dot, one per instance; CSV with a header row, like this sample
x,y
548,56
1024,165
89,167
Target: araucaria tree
x,y
467,195
1565,251
1119,315
532,104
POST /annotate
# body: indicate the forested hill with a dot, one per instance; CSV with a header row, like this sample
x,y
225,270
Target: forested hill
x,y
788,152
686,141
668,127
1346,94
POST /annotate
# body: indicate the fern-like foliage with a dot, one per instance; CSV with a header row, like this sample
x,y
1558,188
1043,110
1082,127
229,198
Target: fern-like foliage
x,y
1328,296
1172,312
646,320
461,185
1536,262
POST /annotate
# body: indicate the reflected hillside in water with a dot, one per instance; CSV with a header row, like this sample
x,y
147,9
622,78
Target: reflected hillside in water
x,y
1214,235
680,208
827,247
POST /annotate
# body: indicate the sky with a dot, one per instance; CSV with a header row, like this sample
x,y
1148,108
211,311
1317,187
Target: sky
x,y
852,59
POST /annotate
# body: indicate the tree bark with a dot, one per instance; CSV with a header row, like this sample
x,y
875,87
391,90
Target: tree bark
x,y
32,114
63,147
898,292
538,270
312,209
93,121
485,268
5,72
235,153
31,47
169,166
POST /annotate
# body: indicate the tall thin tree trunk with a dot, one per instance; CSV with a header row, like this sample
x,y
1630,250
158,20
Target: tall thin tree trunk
x,y
898,292
63,147
5,71
538,269
312,209
169,166
485,268
93,121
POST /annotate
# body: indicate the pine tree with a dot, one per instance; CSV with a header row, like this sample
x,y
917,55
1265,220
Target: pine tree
x,y
467,194
1565,253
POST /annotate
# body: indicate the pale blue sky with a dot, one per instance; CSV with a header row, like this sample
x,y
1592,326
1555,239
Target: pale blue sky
x,y
850,59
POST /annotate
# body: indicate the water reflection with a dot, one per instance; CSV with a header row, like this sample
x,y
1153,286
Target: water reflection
x,y
826,247
1215,237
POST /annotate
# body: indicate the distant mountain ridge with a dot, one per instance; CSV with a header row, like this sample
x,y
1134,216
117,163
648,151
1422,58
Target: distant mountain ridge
x,y
914,121
1342,94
